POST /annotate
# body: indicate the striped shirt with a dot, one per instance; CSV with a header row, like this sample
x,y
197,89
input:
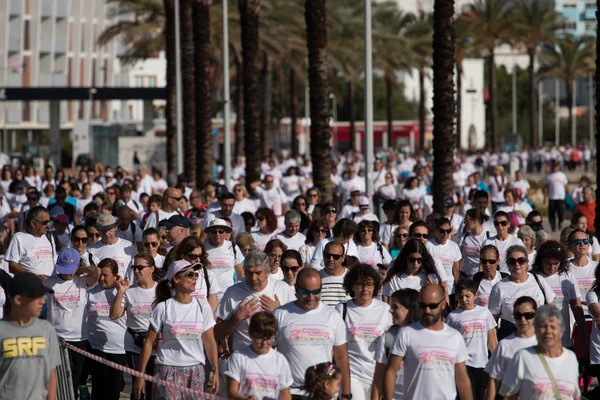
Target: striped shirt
x,y
332,291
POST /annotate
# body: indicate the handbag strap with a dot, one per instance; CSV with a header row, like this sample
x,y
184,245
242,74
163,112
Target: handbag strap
x,y
557,395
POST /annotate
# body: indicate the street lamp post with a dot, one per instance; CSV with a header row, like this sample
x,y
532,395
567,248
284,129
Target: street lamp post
x,y
178,105
368,100
226,97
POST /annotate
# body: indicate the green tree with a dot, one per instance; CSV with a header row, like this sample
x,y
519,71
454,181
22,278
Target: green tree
x,y
535,22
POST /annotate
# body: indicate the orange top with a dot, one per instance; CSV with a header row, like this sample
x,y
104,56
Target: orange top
x,y
589,210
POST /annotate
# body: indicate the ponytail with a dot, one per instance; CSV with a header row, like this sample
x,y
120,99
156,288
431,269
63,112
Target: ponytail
x,y
163,292
315,378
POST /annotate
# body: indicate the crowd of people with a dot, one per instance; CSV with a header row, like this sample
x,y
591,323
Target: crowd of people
x,y
265,290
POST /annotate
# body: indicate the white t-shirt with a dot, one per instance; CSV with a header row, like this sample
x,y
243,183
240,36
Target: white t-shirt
x,y
374,254
182,326
404,281
474,326
556,182
502,246
35,254
292,243
485,288
104,334
470,246
151,222
138,304
448,254
497,185
261,239
273,198
365,325
413,195
592,298
565,289
235,294
381,357
307,338
260,375
123,251
429,356
223,260
506,292
159,261
214,287
67,310
505,352
527,376
585,278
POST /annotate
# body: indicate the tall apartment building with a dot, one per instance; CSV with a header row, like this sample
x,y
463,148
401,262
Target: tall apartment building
x,y
579,15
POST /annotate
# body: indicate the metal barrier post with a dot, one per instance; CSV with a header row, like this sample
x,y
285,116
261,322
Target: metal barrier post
x,y
63,374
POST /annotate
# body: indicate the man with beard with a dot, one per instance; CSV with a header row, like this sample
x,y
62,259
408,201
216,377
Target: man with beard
x,y
432,352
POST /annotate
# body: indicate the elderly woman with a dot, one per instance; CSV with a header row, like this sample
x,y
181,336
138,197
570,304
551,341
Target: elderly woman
x,y
245,242
547,370
541,236
362,314
370,251
527,236
317,231
519,283
552,265
275,249
505,351
267,225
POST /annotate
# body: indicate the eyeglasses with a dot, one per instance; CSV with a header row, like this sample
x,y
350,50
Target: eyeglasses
x,y
329,255
218,232
301,204
176,198
293,268
420,235
194,256
138,267
528,315
366,230
275,256
261,218
324,231
191,275
331,211
306,292
445,231
431,306
501,223
368,285
76,239
488,261
514,261
401,235
96,235
45,222
313,195
414,260
151,244
163,237
579,242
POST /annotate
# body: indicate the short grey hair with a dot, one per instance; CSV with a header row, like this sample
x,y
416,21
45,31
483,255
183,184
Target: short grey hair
x,y
526,231
255,258
541,237
545,312
292,217
515,248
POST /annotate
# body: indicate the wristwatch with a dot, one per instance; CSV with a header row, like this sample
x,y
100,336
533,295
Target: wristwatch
x,y
347,396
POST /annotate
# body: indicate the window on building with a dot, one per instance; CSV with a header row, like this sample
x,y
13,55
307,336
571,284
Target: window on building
x,y
139,81
569,5
590,26
570,25
151,81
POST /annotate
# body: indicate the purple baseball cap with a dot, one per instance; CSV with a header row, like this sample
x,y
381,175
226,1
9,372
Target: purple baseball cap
x,y
68,261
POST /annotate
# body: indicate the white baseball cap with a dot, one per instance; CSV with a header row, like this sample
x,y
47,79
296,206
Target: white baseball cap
x,y
181,265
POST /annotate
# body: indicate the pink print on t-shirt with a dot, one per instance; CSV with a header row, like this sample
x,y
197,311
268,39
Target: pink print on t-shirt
x,y
308,332
432,356
186,329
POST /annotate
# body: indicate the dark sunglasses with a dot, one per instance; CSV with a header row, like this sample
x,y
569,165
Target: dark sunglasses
x,y
366,230
176,198
329,255
401,235
294,268
301,204
191,274
420,236
164,237
431,306
306,292
445,231
46,222
138,267
488,261
218,232
151,244
193,256
414,260
331,211
320,230
498,223
76,239
579,242
514,261
528,315
95,234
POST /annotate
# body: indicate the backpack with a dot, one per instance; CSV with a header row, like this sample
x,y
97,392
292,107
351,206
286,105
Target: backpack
x,y
206,281
91,258
133,227
380,249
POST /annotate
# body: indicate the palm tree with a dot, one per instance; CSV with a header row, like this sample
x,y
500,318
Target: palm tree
x,y
568,58
316,40
444,108
202,53
188,83
249,20
489,18
536,22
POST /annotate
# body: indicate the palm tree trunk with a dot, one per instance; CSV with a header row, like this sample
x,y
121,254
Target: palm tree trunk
x,y
388,106
569,85
267,106
444,107
458,105
239,109
492,109
249,15
532,99
204,139
171,109
316,40
189,87
421,109
352,105
293,113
